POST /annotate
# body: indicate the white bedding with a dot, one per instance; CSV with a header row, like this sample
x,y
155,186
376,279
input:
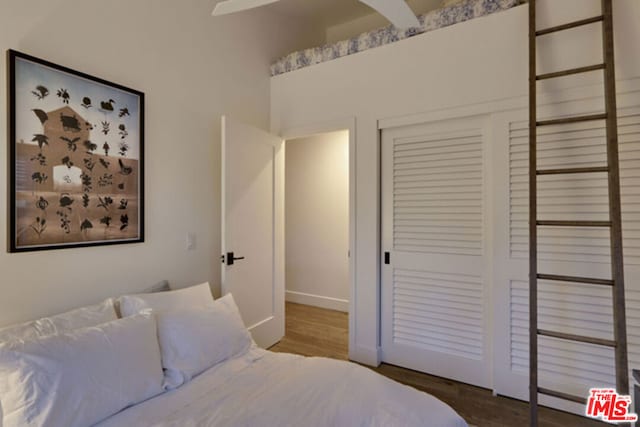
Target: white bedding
x,y
262,388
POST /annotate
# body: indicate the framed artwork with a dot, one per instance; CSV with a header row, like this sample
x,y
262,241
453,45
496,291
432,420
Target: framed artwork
x,y
76,158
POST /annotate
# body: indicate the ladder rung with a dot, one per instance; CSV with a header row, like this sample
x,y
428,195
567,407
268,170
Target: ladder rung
x,y
570,25
570,72
575,279
572,120
561,395
579,338
574,223
572,170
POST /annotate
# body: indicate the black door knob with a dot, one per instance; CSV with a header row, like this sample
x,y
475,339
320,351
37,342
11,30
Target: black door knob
x,y
230,259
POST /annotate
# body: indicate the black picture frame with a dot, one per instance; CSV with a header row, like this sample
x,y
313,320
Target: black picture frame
x,y
76,158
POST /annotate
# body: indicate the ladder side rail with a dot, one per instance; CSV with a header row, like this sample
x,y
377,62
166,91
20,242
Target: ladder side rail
x,y
615,216
533,236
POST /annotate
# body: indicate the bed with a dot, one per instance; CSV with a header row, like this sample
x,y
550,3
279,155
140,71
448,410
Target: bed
x,y
456,12
181,359
262,388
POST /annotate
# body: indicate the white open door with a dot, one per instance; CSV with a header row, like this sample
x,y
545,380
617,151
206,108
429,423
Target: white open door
x,y
253,227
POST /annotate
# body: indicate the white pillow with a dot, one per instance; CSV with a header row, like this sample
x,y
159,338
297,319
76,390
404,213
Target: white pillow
x,y
79,378
83,317
192,341
191,297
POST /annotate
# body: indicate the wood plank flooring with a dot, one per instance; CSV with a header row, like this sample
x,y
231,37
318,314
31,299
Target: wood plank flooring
x,y
313,331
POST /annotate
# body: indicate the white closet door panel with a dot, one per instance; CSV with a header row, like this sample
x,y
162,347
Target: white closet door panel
x,y
422,225
434,298
438,300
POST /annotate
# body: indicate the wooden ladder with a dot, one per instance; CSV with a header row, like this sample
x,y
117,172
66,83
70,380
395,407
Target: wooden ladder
x,y
619,343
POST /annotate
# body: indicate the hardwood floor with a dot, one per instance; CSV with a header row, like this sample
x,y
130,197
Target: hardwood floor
x,y
313,331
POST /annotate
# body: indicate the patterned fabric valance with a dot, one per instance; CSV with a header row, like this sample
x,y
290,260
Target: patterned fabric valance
x,y
463,11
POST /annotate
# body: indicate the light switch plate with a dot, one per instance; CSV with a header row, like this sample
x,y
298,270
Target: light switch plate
x,y
191,241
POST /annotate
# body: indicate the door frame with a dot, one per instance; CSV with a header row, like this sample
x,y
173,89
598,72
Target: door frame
x,y
326,127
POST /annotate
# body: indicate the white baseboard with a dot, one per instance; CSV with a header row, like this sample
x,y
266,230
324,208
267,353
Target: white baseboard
x,y
317,301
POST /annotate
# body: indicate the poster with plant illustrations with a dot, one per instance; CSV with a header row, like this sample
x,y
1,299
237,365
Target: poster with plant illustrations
x,y
76,146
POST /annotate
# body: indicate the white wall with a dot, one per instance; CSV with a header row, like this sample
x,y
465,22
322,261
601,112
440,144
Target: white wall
x,y
317,220
193,68
468,64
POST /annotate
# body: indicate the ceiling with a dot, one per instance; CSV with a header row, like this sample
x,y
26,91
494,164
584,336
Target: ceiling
x,y
333,12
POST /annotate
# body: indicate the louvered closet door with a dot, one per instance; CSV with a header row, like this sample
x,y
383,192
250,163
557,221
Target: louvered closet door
x,y
434,313
566,307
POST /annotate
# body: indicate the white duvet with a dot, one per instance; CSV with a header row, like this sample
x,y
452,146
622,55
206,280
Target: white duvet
x,y
261,388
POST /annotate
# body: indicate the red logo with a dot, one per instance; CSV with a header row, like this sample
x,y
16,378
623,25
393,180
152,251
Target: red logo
x,y
609,406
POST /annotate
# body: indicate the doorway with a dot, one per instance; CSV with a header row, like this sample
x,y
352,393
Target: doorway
x,y
317,215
